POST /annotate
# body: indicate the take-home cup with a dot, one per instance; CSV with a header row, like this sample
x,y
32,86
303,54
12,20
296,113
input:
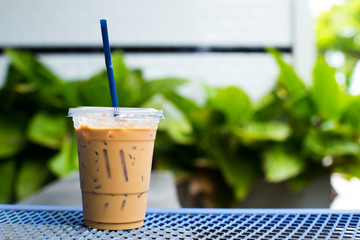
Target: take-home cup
x,y
115,147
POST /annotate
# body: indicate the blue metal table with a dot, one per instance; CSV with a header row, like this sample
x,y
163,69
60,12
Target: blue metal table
x,y
50,222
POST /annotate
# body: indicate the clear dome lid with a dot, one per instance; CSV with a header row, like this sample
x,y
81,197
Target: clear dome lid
x,y
117,112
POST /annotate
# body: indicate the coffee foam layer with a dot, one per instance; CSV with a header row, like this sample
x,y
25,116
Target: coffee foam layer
x,y
107,122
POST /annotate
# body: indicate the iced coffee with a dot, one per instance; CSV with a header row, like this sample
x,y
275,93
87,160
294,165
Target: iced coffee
x,y
115,147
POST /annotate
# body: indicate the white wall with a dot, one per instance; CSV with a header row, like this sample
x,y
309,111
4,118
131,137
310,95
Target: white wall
x,y
244,23
68,22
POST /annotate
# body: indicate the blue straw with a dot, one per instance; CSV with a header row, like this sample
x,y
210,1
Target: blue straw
x,y
108,63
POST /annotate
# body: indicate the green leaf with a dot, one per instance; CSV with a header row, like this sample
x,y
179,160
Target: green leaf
x,y
210,92
38,79
129,83
47,130
325,144
33,174
95,91
351,114
263,131
70,92
15,83
234,103
349,167
7,176
303,109
288,77
66,160
180,131
119,66
161,86
27,63
130,89
238,166
269,107
11,138
188,108
280,165
240,173
326,92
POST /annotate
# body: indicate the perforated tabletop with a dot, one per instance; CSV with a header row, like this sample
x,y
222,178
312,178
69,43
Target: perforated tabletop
x,y
44,222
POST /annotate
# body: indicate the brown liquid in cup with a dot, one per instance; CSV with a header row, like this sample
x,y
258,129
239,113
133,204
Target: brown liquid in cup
x,y
115,167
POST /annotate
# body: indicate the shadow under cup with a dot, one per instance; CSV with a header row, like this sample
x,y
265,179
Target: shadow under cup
x,y
115,147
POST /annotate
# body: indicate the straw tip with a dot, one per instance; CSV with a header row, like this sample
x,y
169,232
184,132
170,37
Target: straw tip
x,y
102,21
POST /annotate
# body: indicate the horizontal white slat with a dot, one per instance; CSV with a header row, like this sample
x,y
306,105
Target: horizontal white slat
x,y
146,22
254,73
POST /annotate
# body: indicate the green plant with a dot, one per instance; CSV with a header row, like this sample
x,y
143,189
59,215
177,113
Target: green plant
x,y
338,29
294,134
37,142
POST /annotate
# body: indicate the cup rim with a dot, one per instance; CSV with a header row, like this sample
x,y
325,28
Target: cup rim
x,y
117,112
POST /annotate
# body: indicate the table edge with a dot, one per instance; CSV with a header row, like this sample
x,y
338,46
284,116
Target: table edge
x,y
193,210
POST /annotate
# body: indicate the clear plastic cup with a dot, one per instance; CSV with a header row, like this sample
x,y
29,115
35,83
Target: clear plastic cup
x,y
115,147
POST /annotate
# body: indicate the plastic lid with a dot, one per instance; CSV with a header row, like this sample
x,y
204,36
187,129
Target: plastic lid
x,y
127,113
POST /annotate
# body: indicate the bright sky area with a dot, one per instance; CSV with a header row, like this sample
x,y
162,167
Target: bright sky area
x,y
323,5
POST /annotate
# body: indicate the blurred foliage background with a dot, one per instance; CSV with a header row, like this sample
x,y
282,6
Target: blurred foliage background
x,y
294,134
221,147
338,35
37,141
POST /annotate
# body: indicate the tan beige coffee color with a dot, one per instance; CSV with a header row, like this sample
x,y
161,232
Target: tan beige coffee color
x,y
115,166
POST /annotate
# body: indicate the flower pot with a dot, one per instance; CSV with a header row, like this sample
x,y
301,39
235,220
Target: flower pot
x,y
205,186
